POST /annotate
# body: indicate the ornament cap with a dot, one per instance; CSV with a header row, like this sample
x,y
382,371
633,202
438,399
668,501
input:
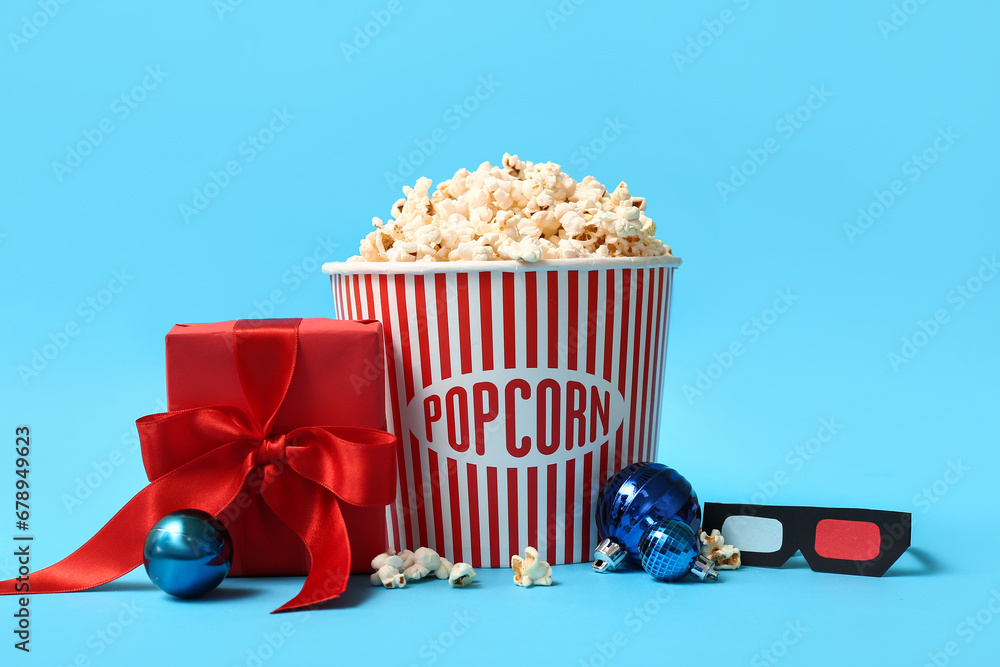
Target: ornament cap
x,y
704,569
608,556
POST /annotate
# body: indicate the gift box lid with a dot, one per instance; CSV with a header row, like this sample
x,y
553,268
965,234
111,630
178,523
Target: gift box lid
x,y
338,380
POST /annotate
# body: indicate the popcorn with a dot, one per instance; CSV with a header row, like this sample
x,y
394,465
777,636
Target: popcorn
x,y
387,558
709,542
516,211
723,556
396,570
388,570
461,575
726,558
443,570
531,570
379,560
390,577
415,572
427,557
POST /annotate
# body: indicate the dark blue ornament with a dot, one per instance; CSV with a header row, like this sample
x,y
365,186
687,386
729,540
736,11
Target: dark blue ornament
x,y
669,550
187,553
634,499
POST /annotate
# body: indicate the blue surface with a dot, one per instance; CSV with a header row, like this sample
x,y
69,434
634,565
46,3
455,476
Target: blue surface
x,y
812,409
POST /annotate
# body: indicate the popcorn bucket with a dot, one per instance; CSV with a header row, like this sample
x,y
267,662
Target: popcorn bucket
x,y
515,390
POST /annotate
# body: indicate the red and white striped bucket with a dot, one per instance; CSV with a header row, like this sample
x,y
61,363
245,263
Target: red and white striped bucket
x,y
515,390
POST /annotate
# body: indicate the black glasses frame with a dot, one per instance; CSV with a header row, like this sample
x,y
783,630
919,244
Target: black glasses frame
x,y
799,534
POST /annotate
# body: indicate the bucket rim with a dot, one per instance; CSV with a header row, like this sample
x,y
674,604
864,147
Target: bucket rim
x,y
500,266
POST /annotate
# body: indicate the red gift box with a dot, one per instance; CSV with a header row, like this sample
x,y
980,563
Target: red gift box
x,y
276,428
337,381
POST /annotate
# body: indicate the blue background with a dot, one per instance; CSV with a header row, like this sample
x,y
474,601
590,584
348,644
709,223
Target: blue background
x,y
559,75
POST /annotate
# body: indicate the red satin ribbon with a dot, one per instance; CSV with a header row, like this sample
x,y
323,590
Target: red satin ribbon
x,y
306,473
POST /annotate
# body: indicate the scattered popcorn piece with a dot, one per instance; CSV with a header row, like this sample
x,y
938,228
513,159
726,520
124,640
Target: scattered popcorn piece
x,y
726,558
388,557
391,577
415,572
530,570
427,557
531,558
517,563
518,210
444,569
395,570
461,575
713,546
545,579
709,542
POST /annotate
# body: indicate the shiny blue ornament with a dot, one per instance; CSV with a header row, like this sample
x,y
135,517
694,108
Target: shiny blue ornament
x,y
669,550
634,499
187,553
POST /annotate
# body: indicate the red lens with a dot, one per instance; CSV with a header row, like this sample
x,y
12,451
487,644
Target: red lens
x,y
847,540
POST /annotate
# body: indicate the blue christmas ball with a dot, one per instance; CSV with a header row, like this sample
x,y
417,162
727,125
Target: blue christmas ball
x,y
634,499
668,550
187,553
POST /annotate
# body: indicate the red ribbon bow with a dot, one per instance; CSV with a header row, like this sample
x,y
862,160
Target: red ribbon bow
x,y
304,475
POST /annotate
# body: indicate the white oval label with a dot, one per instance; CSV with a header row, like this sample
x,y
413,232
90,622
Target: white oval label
x,y
525,417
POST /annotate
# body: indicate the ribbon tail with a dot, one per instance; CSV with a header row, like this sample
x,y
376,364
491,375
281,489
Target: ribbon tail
x,y
117,548
321,528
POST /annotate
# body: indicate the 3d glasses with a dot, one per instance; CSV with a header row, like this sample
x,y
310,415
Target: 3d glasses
x,y
837,540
